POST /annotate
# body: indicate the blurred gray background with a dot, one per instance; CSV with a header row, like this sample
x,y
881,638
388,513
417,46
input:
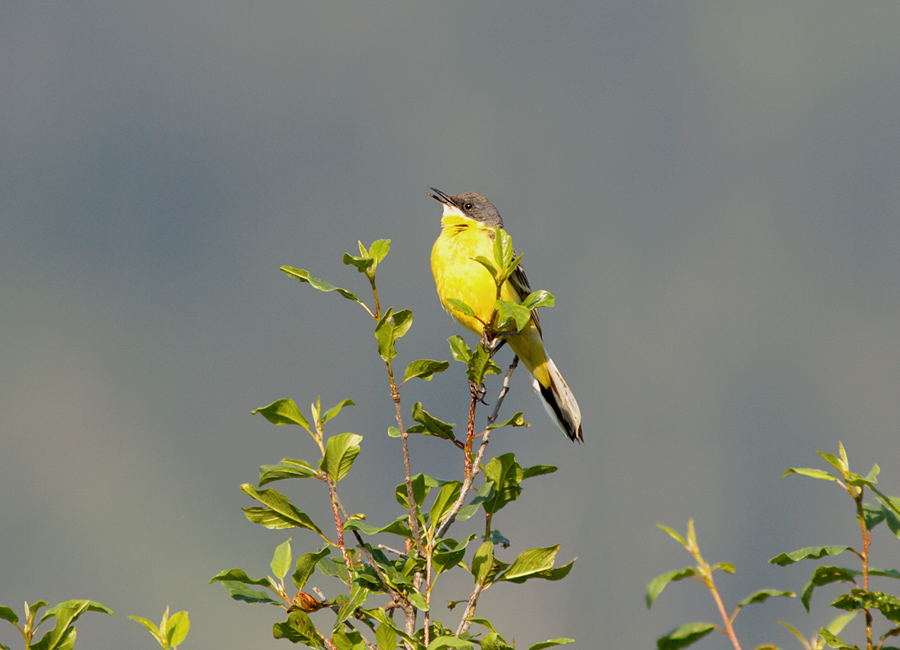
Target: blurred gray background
x,y
711,190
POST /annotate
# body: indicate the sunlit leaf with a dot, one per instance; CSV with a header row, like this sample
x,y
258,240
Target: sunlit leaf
x,y
287,468
282,559
424,369
430,425
283,411
655,586
279,512
683,636
334,410
321,285
340,452
811,472
807,553
306,564
763,595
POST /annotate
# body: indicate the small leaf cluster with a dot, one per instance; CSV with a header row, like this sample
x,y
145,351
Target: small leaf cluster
x,y
171,631
687,634
387,572
62,636
859,596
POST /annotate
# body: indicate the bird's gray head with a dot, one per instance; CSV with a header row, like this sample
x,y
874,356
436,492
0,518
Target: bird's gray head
x,y
471,206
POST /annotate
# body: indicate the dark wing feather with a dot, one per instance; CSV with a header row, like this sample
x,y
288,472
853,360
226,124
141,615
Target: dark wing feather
x,y
519,282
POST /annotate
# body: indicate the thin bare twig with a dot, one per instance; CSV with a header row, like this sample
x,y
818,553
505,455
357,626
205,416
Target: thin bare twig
x,y
469,479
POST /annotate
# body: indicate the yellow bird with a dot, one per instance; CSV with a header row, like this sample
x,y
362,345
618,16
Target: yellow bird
x,y
468,226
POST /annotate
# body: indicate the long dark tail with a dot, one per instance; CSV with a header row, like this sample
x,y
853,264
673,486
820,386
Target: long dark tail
x,y
560,404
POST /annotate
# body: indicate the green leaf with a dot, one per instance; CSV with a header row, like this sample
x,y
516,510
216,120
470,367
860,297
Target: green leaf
x,y
498,538
451,556
510,269
8,614
391,327
824,575
481,364
237,575
847,602
795,633
358,596
444,502
424,369
306,564
482,562
334,410
873,515
551,643
763,595
332,568
430,425
505,473
807,553
299,628
315,409
840,622
536,563
459,349
890,506
283,411
840,464
379,249
517,420
321,285
683,636
727,567
494,641
655,586
418,600
674,535
811,472
460,306
150,625
396,527
287,468
347,639
279,513
449,642
75,608
887,604
482,621
503,249
177,630
864,481
340,452
486,263
512,314
386,637
538,299
834,641
282,559
537,470
362,264
62,636
421,486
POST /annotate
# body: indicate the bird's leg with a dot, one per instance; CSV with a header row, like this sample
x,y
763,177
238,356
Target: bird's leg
x,y
478,392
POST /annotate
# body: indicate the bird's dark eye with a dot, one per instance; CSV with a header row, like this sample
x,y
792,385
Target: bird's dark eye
x,y
468,206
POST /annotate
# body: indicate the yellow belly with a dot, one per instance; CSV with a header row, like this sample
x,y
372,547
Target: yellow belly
x,y
457,275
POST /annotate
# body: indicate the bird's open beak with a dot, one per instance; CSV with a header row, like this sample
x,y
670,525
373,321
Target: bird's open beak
x,y
440,196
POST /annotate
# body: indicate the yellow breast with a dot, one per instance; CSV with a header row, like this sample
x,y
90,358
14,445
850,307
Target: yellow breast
x,y
457,274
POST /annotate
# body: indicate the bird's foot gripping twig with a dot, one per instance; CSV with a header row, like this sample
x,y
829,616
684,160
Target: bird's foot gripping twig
x,y
478,391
